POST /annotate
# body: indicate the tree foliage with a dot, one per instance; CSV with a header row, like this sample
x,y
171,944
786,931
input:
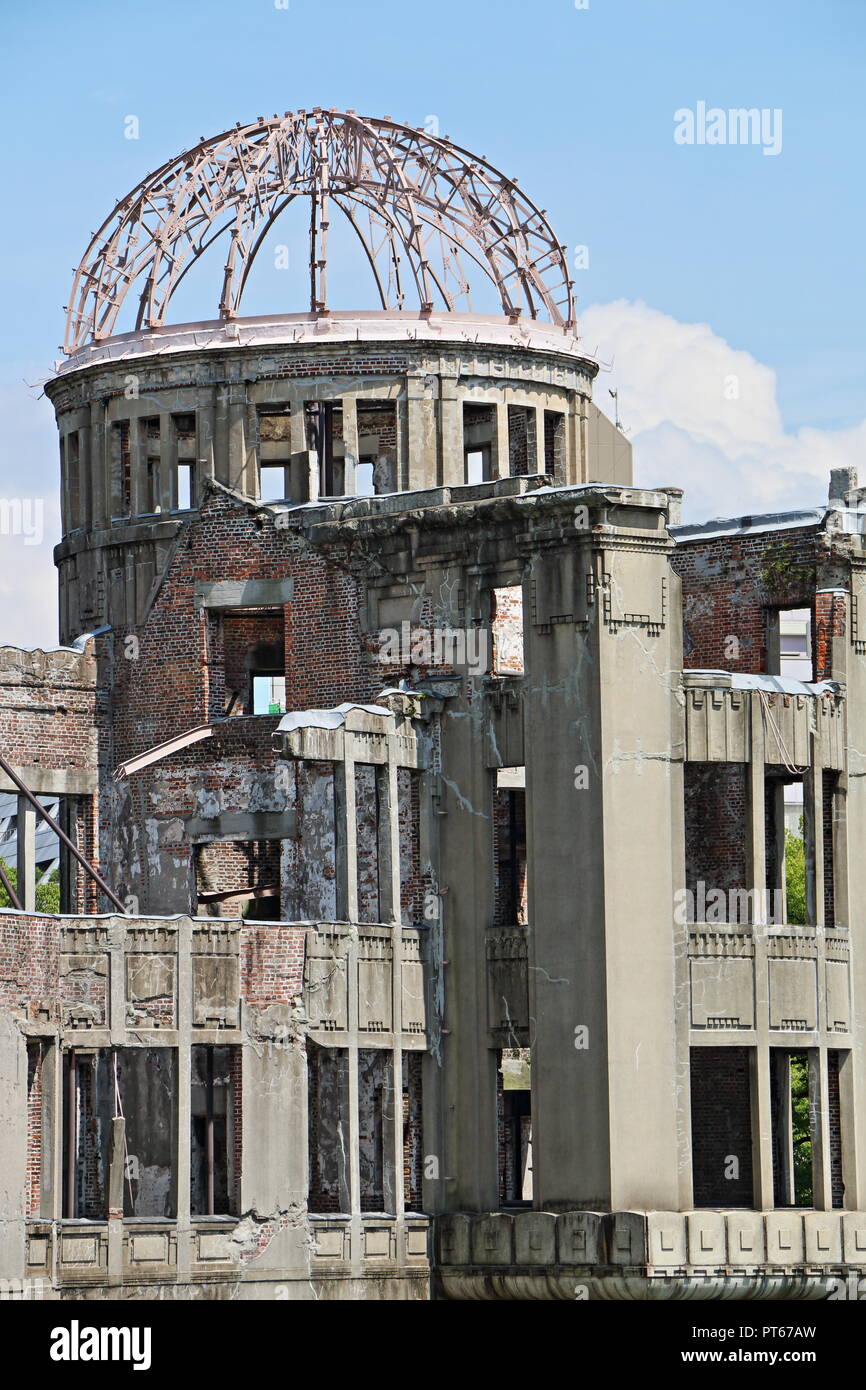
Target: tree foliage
x,y
47,893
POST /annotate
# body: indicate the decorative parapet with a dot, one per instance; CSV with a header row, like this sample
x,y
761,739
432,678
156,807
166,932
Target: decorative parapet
x,y
649,1254
720,709
349,983
507,985
799,977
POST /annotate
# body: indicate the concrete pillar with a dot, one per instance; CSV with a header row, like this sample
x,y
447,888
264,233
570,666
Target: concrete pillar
x,y
500,461
451,433
115,1201
85,478
205,432
423,470
184,1094
819,1124
849,665
468,1153
389,878
350,444
401,463
221,433
98,470
347,841
602,972
813,834
167,463
539,441
138,468
237,458
761,1094
26,841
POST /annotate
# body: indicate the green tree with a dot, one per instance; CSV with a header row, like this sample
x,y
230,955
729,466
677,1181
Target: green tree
x,y
47,893
795,877
801,1131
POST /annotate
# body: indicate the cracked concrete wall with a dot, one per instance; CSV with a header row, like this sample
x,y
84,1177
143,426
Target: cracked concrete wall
x,y
13,1147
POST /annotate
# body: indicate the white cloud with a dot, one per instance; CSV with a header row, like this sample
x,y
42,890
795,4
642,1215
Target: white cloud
x,y
29,472
704,416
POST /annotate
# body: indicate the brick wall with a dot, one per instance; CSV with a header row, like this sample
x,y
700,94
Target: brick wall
x,y
716,805
729,584
225,866
35,1062
506,627
837,1185
828,626
721,1126
511,890
413,1142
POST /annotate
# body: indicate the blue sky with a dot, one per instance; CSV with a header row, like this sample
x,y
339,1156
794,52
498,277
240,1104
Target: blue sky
x,y
764,251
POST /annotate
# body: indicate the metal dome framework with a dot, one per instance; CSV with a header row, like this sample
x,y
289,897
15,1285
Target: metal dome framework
x,y
424,210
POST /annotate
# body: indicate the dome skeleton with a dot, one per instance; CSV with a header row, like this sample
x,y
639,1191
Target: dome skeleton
x,y
424,211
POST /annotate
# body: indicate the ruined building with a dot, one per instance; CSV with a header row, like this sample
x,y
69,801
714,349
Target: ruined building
x,y
425,918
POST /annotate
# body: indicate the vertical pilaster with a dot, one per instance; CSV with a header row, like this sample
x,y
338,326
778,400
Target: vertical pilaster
x,y
501,461
761,1094
350,445
206,432
451,433
184,1093
819,1124
98,469
25,825
423,471
539,441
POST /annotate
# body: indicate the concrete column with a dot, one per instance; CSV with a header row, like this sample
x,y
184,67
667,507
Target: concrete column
x,y
184,1094
350,444
849,665
813,834
451,433
840,852
98,469
423,468
354,1096
819,1124
221,433
66,522
575,439
115,1202
500,461
167,463
465,1081
26,841
298,424
389,880
401,464
205,431
85,479
851,1171
601,852
347,841
784,1131
138,467
762,1101
539,440
237,459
